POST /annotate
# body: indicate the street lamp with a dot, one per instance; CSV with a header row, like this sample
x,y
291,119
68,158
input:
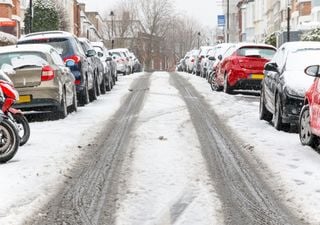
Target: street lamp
x,y
288,21
228,17
31,16
199,34
112,40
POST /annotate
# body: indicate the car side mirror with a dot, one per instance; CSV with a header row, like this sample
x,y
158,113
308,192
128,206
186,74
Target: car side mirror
x,y
70,63
108,59
100,54
271,66
312,70
220,57
91,52
212,58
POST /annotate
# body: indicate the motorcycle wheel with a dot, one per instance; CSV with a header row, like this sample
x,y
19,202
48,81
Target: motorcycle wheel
x,y
9,140
23,128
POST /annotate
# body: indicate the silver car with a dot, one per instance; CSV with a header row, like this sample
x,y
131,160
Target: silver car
x,y
41,77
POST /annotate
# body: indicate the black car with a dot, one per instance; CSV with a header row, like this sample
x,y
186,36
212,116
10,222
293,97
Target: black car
x,y
68,47
284,84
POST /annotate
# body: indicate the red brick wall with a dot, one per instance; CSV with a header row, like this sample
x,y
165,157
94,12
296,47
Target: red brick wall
x,y
5,11
16,7
304,8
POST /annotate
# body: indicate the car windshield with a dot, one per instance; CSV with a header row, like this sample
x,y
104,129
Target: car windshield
x,y
298,60
22,59
266,53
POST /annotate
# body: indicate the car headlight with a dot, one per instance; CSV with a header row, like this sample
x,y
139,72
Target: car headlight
x,y
292,92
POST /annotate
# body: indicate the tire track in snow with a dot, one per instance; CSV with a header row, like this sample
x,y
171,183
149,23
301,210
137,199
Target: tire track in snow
x,y
89,197
245,198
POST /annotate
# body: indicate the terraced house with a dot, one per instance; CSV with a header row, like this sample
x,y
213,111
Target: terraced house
x,y
255,20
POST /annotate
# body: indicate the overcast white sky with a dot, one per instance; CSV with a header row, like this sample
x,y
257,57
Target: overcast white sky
x,y
204,11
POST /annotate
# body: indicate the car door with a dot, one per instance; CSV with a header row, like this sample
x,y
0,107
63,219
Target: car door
x,y
315,107
272,78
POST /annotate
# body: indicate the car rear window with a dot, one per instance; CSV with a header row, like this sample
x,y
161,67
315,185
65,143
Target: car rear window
x,y
261,52
64,46
21,59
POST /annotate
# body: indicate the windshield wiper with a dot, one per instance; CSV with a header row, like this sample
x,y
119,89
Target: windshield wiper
x,y
26,66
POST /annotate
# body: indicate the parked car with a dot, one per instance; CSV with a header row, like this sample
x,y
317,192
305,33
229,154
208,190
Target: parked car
x,y
136,67
41,78
191,61
285,84
309,119
216,53
124,54
69,47
104,57
243,68
122,62
202,60
96,67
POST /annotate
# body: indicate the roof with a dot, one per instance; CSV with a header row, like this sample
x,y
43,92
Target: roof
x,y
27,47
294,45
46,34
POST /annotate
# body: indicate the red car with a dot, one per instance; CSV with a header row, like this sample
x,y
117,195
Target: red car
x,y
309,119
243,67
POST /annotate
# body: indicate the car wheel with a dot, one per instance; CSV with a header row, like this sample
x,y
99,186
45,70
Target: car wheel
x,y
226,87
277,116
214,85
108,86
103,85
74,106
305,134
63,109
264,114
93,91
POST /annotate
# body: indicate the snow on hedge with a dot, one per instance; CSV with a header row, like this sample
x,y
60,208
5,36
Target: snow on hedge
x,y
6,38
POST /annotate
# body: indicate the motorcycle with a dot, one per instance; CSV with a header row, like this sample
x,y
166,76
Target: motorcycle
x,y
9,96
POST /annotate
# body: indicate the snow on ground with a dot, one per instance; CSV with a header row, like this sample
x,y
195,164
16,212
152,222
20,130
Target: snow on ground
x,y
31,177
295,169
34,174
168,182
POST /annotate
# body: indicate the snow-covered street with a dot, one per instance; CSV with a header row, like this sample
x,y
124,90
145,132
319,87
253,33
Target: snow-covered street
x,y
160,179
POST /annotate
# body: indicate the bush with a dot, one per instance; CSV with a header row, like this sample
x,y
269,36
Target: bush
x,y
313,35
271,40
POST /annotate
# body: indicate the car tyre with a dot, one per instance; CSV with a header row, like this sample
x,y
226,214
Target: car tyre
x,y
84,95
74,106
214,84
226,87
93,91
103,85
305,134
277,116
63,109
264,114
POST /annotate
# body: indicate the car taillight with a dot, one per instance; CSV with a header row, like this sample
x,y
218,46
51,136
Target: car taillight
x,y
47,73
77,82
76,58
192,60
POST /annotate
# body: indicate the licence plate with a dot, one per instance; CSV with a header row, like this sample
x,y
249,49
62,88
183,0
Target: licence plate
x,y
256,76
24,98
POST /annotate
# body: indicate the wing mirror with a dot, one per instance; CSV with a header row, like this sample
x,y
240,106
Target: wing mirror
x,y
312,70
220,57
91,52
271,66
108,59
212,58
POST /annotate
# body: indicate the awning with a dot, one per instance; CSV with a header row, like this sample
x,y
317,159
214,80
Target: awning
x,y
5,22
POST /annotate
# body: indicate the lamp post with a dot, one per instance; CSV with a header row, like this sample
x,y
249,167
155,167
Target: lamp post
x,y
31,16
288,21
228,24
199,34
112,36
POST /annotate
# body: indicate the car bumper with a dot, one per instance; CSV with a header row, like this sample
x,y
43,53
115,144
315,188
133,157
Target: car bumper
x,y
291,109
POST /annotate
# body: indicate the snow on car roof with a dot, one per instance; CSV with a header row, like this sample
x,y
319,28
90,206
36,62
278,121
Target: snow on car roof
x,y
294,45
45,34
27,47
